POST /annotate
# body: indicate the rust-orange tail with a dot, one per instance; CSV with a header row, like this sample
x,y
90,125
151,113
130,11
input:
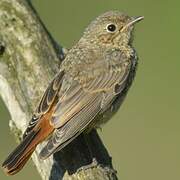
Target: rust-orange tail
x,y
18,158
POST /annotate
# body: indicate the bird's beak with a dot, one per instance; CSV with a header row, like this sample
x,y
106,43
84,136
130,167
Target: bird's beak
x,y
132,22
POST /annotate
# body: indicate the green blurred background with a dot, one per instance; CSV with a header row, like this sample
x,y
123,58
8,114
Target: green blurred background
x,y
143,138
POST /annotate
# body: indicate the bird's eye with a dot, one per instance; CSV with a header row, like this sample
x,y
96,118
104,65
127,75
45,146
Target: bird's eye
x,y
111,28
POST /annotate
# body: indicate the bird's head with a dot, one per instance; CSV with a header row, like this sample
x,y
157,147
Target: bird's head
x,y
111,29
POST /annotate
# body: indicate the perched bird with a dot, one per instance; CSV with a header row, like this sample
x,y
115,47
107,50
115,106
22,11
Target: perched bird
x,y
92,82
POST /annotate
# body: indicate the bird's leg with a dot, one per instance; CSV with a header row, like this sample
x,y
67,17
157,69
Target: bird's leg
x,y
94,162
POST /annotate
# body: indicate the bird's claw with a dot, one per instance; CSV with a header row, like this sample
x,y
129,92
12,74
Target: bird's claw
x,y
93,164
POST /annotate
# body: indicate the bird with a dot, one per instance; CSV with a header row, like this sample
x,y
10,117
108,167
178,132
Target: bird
x,y
92,82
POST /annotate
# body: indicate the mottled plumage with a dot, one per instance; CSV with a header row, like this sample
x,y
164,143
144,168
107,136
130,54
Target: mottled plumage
x,y
89,88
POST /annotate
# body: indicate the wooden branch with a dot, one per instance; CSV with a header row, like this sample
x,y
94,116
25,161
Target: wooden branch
x,y
29,58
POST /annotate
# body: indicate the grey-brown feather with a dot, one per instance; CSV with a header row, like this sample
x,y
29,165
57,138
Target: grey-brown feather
x,y
83,100
76,125
45,102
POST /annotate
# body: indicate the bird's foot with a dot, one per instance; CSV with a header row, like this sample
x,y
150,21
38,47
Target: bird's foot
x,y
93,164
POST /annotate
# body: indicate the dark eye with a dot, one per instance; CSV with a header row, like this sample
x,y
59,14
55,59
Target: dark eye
x,y
111,27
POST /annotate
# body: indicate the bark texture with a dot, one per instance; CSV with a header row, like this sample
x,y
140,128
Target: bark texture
x,y
29,58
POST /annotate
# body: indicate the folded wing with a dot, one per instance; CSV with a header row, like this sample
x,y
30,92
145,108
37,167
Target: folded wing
x,y
80,101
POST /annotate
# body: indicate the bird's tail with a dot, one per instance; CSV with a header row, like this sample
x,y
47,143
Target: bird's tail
x,y
18,158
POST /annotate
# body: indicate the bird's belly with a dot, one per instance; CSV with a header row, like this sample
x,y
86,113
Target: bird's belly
x,y
106,115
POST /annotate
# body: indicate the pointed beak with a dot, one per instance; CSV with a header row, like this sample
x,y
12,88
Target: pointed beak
x,y
135,20
132,22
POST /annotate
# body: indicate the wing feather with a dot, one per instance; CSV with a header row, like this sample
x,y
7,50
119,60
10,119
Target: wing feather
x,y
46,102
80,101
79,121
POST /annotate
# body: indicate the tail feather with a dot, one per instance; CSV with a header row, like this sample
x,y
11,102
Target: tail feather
x,y
15,169
18,158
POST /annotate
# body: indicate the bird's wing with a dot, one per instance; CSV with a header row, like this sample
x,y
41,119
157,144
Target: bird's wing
x,y
80,101
46,102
